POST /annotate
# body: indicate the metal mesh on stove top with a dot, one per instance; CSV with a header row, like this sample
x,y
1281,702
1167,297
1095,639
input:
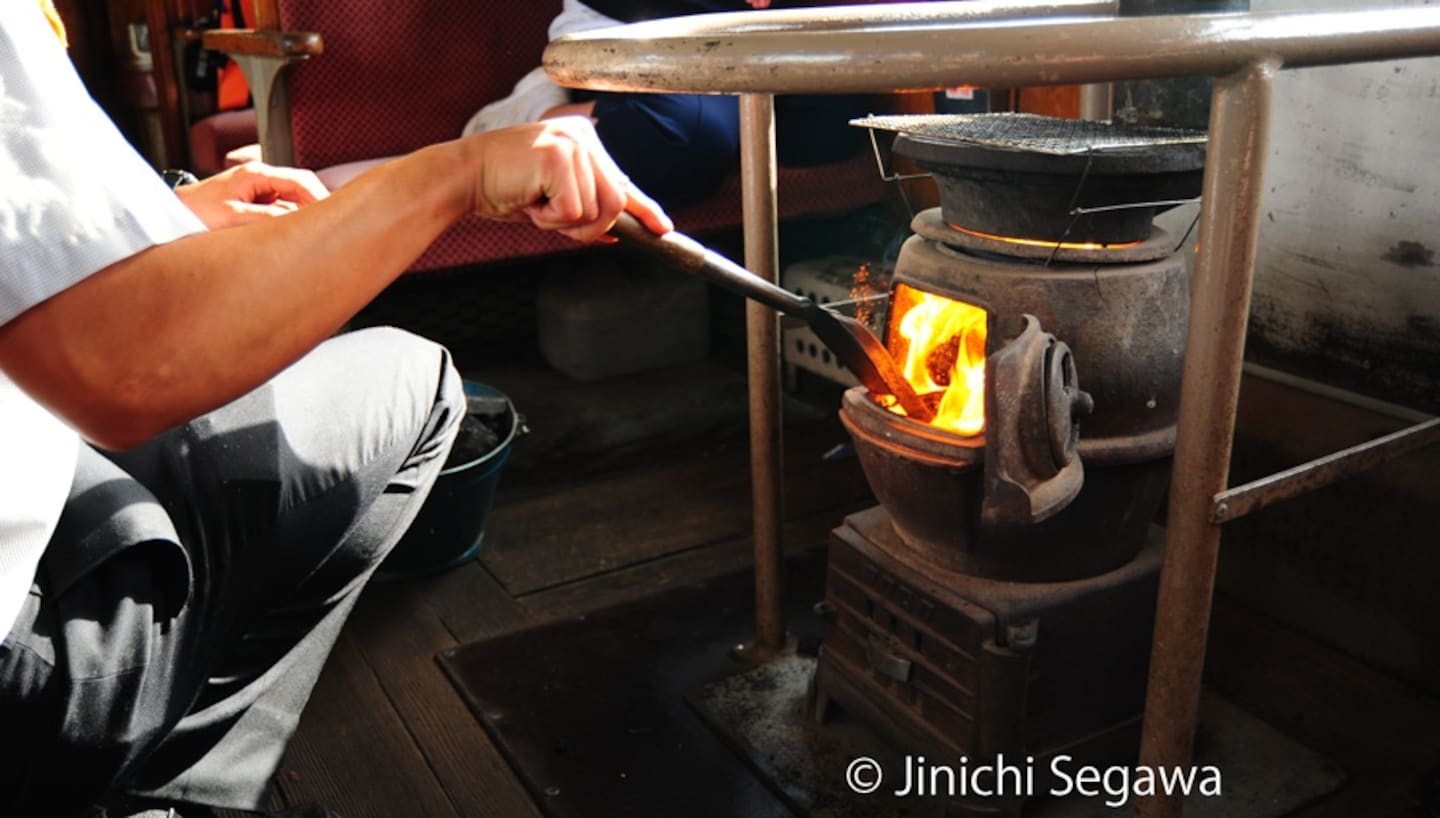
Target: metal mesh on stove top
x,y
1031,132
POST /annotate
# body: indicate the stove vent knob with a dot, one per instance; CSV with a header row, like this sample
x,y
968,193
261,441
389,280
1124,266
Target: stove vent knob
x,y
1032,401
1065,403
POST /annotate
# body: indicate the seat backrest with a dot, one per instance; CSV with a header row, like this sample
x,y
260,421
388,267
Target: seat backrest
x,y
400,74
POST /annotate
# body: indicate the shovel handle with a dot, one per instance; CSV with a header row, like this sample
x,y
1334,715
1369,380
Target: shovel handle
x,y
679,250
852,342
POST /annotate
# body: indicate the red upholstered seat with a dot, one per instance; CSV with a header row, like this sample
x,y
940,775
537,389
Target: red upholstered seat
x,y
394,78
821,190
397,76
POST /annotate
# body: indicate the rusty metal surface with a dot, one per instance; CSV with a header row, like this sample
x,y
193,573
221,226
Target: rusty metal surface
x,y
762,335
1234,503
1080,204
931,483
1032,403
997,667
1097,100
892,49
1140,308
1224,272
1047,178
1160,244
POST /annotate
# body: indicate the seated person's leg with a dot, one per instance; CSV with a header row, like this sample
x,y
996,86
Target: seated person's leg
x,y
676,147
285,502
815,129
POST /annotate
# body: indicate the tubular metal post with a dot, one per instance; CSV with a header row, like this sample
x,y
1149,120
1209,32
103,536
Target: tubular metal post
x,y
805,51
762,328
1097,101
1234,503
1219,309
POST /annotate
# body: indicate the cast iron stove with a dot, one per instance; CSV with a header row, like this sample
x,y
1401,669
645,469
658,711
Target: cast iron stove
x,y
1000,599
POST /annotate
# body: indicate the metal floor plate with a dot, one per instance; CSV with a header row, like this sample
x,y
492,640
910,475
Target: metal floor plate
x,y
591,712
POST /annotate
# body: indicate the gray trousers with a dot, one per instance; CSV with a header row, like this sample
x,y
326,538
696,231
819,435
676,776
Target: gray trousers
x,y
195,586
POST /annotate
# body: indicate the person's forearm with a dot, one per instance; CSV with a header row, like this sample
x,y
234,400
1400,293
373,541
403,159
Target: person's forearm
x,y
184,327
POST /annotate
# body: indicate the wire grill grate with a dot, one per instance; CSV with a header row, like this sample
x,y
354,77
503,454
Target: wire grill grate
x,y
1031,132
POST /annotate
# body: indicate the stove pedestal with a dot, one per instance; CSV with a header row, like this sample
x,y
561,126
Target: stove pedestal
x,y
964,670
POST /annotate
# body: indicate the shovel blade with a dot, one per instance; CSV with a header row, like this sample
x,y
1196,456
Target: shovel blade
x,y
858,350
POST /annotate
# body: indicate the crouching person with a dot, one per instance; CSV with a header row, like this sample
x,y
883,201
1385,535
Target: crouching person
x,y
196,484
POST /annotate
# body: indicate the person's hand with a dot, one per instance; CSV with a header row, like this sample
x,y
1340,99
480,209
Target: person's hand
x,y
759,4
250,192
556,174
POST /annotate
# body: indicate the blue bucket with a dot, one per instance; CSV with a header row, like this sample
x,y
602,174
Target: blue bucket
x,y
449,529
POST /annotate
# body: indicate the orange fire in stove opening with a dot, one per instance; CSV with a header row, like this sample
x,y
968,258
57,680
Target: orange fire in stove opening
x,y
940,346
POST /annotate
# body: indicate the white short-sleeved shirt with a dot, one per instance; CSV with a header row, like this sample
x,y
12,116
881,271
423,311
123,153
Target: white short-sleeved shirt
x,y
74,199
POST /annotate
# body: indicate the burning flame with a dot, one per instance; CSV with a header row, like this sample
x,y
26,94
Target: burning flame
x,y
940,346
1049,245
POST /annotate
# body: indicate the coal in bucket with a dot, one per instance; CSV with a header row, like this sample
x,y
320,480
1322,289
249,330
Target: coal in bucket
x,y
449,529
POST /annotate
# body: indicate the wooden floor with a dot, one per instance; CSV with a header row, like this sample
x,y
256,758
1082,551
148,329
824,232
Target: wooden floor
x,y
583,520
586,519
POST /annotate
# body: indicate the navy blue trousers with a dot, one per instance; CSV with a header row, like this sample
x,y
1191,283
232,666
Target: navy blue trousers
x,y
195,586
680,147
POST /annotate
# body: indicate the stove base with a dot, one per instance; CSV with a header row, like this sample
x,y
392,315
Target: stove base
x,y
960,668
761,713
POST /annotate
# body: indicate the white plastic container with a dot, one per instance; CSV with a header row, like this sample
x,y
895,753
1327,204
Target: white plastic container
x,y
611,318
825,280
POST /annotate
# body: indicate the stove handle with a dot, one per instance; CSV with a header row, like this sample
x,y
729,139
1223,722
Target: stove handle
x,y
1065,404
884,661
1032,403
685,253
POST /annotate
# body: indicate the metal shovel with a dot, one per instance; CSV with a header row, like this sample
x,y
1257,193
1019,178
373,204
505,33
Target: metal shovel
x,y
852,343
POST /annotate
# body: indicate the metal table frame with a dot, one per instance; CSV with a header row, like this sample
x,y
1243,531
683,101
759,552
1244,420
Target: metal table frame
x,y
1012,43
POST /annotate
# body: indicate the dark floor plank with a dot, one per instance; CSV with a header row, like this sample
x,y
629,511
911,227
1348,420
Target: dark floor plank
x,y
799,536
353,752
585,529
684,497
473,605
401,636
